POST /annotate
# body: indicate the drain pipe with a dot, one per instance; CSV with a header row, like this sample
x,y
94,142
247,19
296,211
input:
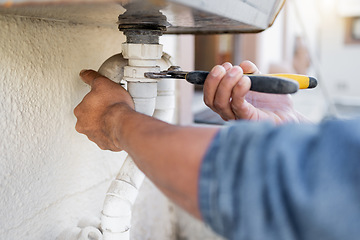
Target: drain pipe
x,y
124,189
142,50
113,68
142,25
165,100
116,214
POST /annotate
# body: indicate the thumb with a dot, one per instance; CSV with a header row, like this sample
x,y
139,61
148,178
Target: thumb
x,y
88,76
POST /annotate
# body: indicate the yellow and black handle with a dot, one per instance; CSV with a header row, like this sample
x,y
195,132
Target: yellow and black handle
x,y
304,81
266,83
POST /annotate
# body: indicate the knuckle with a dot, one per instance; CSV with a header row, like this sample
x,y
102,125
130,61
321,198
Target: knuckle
x,y
207,102
79,128
219,105
95,83
98,82
235,105
211,82
224,117
240,109
243,85
76,111
102,146
229,84
237,88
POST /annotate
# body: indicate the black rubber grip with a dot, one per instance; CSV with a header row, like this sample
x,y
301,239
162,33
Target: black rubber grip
x,y
312,82
259,83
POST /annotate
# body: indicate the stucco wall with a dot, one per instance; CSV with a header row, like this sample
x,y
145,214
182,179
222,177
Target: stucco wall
x,y
50,176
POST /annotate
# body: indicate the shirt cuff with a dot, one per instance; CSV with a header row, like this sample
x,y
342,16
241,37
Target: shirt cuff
x,y
209,187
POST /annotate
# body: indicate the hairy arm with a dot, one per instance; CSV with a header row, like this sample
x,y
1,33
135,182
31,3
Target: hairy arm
x,y
169,155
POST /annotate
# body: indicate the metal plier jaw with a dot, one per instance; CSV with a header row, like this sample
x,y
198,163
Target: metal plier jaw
x,y
172,72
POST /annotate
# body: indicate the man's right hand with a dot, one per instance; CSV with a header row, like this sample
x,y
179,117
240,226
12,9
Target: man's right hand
x,y
227,92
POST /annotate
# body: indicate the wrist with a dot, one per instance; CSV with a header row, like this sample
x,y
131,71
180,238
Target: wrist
x,y
115,123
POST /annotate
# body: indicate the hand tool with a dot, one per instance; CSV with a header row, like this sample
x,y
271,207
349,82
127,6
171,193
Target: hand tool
x,y
266,83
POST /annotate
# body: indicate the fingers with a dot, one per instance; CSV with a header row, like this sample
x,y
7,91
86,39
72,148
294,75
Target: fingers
x,y
223,84
227,66
222,99
249,67
211,84
88,124
240,107
98,138
91,111
88,76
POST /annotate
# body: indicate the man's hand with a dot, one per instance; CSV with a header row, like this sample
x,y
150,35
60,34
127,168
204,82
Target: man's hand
x,y
227,92
96,111
107,116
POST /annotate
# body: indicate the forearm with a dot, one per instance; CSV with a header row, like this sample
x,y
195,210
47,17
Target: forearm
x,y
169,155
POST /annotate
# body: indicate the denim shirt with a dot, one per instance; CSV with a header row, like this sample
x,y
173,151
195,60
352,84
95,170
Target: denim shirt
x,y
262,182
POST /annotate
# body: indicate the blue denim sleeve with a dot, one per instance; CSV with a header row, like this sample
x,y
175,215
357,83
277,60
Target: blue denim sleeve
x,y
258,181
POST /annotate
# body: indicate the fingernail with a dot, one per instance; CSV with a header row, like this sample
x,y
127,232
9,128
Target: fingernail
x,y
82,71
235,71
227,66
217,70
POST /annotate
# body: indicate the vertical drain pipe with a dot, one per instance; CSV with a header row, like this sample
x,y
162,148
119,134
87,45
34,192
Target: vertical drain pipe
x,y
116,214
164,110
142,26
165,100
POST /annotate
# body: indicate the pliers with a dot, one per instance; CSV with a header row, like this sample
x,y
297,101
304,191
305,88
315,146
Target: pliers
x,y
266,83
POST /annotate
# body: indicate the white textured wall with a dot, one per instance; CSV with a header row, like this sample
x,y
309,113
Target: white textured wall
x,y
50,176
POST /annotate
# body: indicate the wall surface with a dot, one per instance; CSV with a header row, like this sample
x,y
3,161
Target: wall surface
x,y
51,176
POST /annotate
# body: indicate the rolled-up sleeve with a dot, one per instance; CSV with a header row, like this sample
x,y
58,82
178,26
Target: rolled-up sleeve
x,y
259,181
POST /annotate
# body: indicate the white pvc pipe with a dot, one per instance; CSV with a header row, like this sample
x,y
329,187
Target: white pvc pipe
x,y
165,100
151,98
81,233
148,98
116,214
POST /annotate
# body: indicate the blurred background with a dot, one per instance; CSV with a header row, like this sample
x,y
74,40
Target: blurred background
x,y
320,38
